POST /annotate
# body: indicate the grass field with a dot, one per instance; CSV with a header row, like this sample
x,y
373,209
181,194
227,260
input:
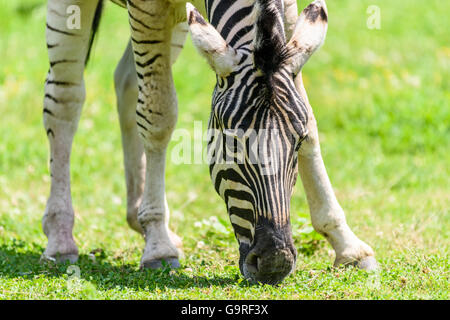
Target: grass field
x,y
382,101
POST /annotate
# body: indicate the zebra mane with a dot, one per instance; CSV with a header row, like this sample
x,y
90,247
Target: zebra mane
x,y
270,50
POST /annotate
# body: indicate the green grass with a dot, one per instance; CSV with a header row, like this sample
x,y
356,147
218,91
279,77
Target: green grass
x,y
381,98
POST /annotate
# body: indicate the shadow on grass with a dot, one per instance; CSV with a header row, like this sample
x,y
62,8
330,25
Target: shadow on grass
x,y
20,260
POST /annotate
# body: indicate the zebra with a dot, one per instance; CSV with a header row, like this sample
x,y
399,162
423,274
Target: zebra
x,y
257,49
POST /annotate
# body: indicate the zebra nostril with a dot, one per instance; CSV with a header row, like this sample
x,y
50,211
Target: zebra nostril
x,y
252,262
269,268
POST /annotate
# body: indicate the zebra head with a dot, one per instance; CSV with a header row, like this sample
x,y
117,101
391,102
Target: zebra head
x,y
258,122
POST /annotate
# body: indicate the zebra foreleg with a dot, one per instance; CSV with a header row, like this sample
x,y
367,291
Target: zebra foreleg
x,y
156,114
64,97
327,216
126,86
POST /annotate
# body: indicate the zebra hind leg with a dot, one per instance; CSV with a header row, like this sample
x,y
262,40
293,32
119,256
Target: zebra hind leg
x,y
125,81
63,100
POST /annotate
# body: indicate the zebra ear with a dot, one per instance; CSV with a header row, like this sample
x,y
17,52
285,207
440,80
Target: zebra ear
x,y
309,34
220,56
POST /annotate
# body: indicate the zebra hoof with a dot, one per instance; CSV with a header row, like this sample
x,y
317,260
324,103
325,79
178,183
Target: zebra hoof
x,y
171,263
60,258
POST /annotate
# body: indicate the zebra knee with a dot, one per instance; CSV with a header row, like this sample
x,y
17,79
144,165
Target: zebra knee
x,y
155,125
63,101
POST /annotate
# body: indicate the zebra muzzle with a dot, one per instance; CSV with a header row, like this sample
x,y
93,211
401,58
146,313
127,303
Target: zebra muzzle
x,y
269,260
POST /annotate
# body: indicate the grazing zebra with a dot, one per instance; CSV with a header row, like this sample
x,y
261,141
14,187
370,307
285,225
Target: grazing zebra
x,y
259,97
